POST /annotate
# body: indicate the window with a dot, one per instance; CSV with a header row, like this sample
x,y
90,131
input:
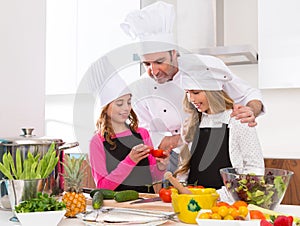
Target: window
x,y
78,33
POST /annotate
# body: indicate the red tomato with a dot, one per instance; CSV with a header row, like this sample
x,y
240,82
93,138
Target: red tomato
x,y
165,194
159,153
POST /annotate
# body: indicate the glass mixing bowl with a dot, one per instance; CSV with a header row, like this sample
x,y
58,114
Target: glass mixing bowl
x,y
264,187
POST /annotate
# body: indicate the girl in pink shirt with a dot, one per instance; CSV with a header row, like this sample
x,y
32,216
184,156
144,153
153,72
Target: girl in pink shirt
x,y
119,151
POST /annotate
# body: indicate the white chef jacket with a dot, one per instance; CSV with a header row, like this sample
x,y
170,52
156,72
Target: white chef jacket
x,y
159,106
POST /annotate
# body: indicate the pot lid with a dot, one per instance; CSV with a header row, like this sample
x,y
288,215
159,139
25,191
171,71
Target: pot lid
x,y
27,138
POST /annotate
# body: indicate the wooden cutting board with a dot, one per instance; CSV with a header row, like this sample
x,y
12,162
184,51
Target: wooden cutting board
x,y
157,205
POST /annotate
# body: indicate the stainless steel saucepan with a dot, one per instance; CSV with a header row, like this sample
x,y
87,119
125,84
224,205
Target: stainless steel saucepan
x,y
27,142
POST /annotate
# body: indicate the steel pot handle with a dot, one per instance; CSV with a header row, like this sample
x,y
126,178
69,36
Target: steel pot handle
x,y
68,146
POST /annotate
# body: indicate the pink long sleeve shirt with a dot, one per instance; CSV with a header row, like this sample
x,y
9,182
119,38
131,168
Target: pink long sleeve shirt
x,y
112,180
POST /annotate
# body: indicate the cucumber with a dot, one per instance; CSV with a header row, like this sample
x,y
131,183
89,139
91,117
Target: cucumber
x,y
107,194
97,200
126,195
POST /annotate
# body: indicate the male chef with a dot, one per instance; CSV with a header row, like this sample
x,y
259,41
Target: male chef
x,y
157,94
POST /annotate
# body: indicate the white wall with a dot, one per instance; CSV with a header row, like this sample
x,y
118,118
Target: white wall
x,y
22,66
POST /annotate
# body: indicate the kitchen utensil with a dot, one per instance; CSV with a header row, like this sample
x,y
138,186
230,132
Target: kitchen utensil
x,y
183,190
28,142
126,216
188,205
155,199
264,187
87,190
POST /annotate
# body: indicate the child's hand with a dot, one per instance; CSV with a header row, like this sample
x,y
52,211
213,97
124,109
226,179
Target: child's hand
x,y
139,152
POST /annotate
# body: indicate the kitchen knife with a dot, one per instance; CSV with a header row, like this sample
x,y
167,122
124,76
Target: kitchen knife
x,y
87,190
146,200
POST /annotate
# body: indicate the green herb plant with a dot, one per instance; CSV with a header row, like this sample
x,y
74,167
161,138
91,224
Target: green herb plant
x,y
33,167
43,202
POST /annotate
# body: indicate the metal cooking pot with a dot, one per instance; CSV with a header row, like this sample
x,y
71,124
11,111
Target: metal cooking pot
x,y
28,142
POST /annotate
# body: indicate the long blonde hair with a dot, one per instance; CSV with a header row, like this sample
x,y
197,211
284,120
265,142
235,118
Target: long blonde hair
x,y
218,101
104,126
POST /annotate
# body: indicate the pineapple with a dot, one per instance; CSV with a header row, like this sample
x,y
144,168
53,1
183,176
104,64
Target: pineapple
x,y
74,198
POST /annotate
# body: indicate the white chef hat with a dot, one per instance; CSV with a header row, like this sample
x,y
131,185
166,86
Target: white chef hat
x,y
152,26
201,72
105,82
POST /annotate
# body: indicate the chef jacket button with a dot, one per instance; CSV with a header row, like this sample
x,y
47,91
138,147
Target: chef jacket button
x,y
155,87
165,110
176,131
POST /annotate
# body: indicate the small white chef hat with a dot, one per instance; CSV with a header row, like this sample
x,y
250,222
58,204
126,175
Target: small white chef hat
x,y
201,72
152,26
105,82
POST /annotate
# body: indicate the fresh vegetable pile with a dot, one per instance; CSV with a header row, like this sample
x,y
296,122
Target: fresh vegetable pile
x,y
43,202
265,191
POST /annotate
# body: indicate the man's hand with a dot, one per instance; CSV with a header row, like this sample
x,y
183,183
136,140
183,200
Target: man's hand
x,y
244,114
170,141
247,114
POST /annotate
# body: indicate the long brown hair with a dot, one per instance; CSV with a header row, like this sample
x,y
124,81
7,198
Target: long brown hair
x,y
104,126
218,101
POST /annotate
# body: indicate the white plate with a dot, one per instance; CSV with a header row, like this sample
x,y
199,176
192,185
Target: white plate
x,y
209,222
123,216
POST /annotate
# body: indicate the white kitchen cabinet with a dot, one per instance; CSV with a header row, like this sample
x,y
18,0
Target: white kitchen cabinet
x,y
22,66
279,43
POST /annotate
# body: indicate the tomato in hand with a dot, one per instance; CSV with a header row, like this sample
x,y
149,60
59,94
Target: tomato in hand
x,y
165,194
159,153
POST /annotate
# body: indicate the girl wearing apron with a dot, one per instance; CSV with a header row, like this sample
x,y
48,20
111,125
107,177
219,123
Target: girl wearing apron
x,y
213,140
120,150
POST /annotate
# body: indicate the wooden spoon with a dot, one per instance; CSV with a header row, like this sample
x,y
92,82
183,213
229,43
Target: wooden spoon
x,y
181,189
